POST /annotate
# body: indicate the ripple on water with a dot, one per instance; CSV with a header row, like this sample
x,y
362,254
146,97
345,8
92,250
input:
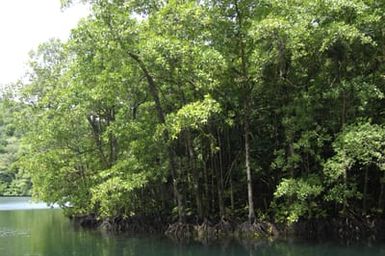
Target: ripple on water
x,y
12,233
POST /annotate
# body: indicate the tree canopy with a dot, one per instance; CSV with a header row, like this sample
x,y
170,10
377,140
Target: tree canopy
x,y
211,110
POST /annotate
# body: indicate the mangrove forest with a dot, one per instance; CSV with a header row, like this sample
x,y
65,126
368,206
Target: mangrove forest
x,y
209,117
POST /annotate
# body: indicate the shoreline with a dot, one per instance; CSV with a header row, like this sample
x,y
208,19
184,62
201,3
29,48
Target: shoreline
x,y
341,230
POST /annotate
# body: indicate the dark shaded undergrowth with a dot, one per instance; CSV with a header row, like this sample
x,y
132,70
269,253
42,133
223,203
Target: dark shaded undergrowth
x,y
342,230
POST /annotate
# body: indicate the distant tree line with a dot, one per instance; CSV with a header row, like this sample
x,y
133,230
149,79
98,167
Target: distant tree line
x,y
13,180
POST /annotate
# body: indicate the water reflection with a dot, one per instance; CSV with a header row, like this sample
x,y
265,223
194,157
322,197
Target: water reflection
x,y
21,203
48,232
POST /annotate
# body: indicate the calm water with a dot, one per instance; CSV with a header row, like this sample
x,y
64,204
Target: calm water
x,y
28,229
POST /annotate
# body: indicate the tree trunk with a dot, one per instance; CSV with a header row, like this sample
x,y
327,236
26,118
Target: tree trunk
x,y
246,91
247,165
112,140
206,182
195,175
364,202
345,202
96,135
220,197
222,211
213,177
381,196
232,196
161,117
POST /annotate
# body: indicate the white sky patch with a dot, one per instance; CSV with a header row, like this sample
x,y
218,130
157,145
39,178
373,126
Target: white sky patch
x,y
24,24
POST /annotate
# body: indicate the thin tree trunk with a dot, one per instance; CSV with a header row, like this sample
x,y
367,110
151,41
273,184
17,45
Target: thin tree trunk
x,y
246,99
206,186
381,196
96,135
220,197
364,203
213,177
248,169
112,140
345,202
231,196
222,208
161,117
195,175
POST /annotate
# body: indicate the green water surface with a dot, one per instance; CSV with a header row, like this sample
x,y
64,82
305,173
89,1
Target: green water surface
x,y
28,229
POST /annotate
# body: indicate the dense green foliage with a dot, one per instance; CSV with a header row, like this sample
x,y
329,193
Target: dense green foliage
x,y
13,180
212,109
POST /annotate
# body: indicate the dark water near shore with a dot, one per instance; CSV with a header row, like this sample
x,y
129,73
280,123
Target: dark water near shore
x,y
34,229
